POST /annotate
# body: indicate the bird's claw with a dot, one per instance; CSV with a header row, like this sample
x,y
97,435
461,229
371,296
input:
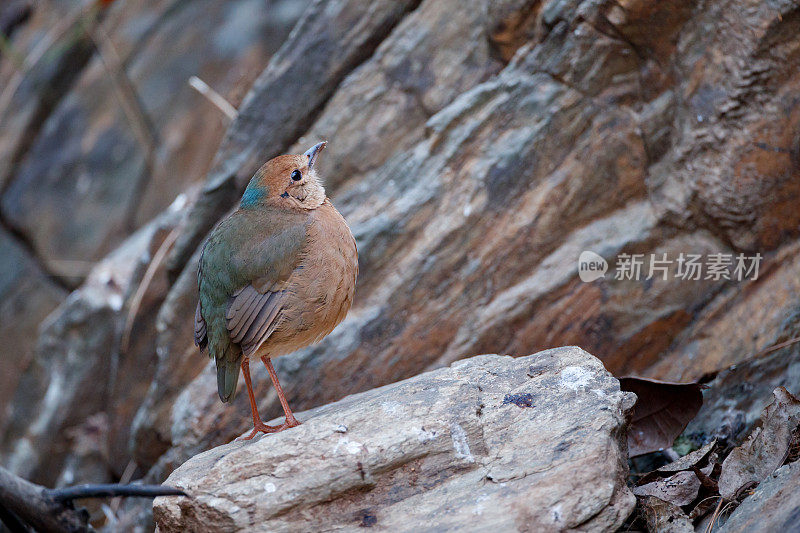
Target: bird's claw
x,y
264,428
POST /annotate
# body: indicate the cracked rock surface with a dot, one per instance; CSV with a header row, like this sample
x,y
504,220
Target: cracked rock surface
x,y
529,443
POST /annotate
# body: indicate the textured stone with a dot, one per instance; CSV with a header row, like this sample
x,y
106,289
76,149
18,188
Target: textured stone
x,y
27,296
450,449
78,395
88,178
773,506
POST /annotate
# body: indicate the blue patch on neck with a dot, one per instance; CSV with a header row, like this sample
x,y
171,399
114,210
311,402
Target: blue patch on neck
x,y
253,195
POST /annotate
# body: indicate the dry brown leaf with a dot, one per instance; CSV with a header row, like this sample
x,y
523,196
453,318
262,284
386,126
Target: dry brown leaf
x,y
661,412
678,489
703,507
664,517
765,448
689,460
703,474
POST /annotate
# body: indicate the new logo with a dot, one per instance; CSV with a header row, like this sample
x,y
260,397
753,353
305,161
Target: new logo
x,y
591,266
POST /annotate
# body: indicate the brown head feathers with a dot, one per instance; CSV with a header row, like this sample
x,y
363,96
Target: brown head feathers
x,y
289,180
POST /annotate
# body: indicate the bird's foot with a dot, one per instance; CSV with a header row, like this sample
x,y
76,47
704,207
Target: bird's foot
x,y
261,427
264,428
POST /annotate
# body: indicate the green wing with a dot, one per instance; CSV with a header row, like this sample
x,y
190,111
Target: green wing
x,y
244,269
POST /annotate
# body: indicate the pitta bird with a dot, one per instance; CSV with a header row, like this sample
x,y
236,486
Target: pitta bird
x,y
276,275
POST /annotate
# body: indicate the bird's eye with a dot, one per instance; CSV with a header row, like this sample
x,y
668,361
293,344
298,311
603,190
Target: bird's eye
x,y
296,176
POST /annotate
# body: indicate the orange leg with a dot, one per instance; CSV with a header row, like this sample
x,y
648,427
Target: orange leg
x,y
291,421
258,424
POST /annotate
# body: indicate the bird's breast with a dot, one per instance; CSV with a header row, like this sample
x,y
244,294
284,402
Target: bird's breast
x,y
322,287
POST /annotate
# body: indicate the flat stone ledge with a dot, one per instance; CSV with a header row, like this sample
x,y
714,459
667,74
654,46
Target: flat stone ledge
x,y
526,443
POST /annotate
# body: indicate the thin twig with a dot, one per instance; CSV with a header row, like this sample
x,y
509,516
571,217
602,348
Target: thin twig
x,y
125,92
126,477
771,349
701,502
727,507
52,510
111,517
31,506
213,96
714,517
136,301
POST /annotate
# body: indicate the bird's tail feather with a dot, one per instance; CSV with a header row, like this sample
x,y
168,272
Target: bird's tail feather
x,y
228,372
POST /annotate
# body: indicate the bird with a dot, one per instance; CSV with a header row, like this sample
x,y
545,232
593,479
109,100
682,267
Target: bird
x,y
276,275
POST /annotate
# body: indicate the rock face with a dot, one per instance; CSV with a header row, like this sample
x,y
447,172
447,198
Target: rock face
x,y
773,506
27,297
476,149
470,213
77,180
528,444
115,176
78,390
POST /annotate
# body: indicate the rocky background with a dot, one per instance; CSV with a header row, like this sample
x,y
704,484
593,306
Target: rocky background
x,y
475,148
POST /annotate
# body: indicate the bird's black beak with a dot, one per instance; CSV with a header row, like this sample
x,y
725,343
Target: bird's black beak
x,y
313,152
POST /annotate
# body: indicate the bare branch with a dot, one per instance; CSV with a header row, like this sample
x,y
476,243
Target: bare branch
x,y
213,96
106,490
51,510
134,111
158,258
31,505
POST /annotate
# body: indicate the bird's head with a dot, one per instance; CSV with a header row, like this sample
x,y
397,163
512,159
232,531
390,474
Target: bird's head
x,y
287,179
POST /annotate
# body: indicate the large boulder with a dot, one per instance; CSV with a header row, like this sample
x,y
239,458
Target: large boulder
x,y
532,443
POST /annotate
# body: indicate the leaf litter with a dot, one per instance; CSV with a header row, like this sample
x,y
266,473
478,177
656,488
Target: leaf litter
x,y
661,413
688,489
